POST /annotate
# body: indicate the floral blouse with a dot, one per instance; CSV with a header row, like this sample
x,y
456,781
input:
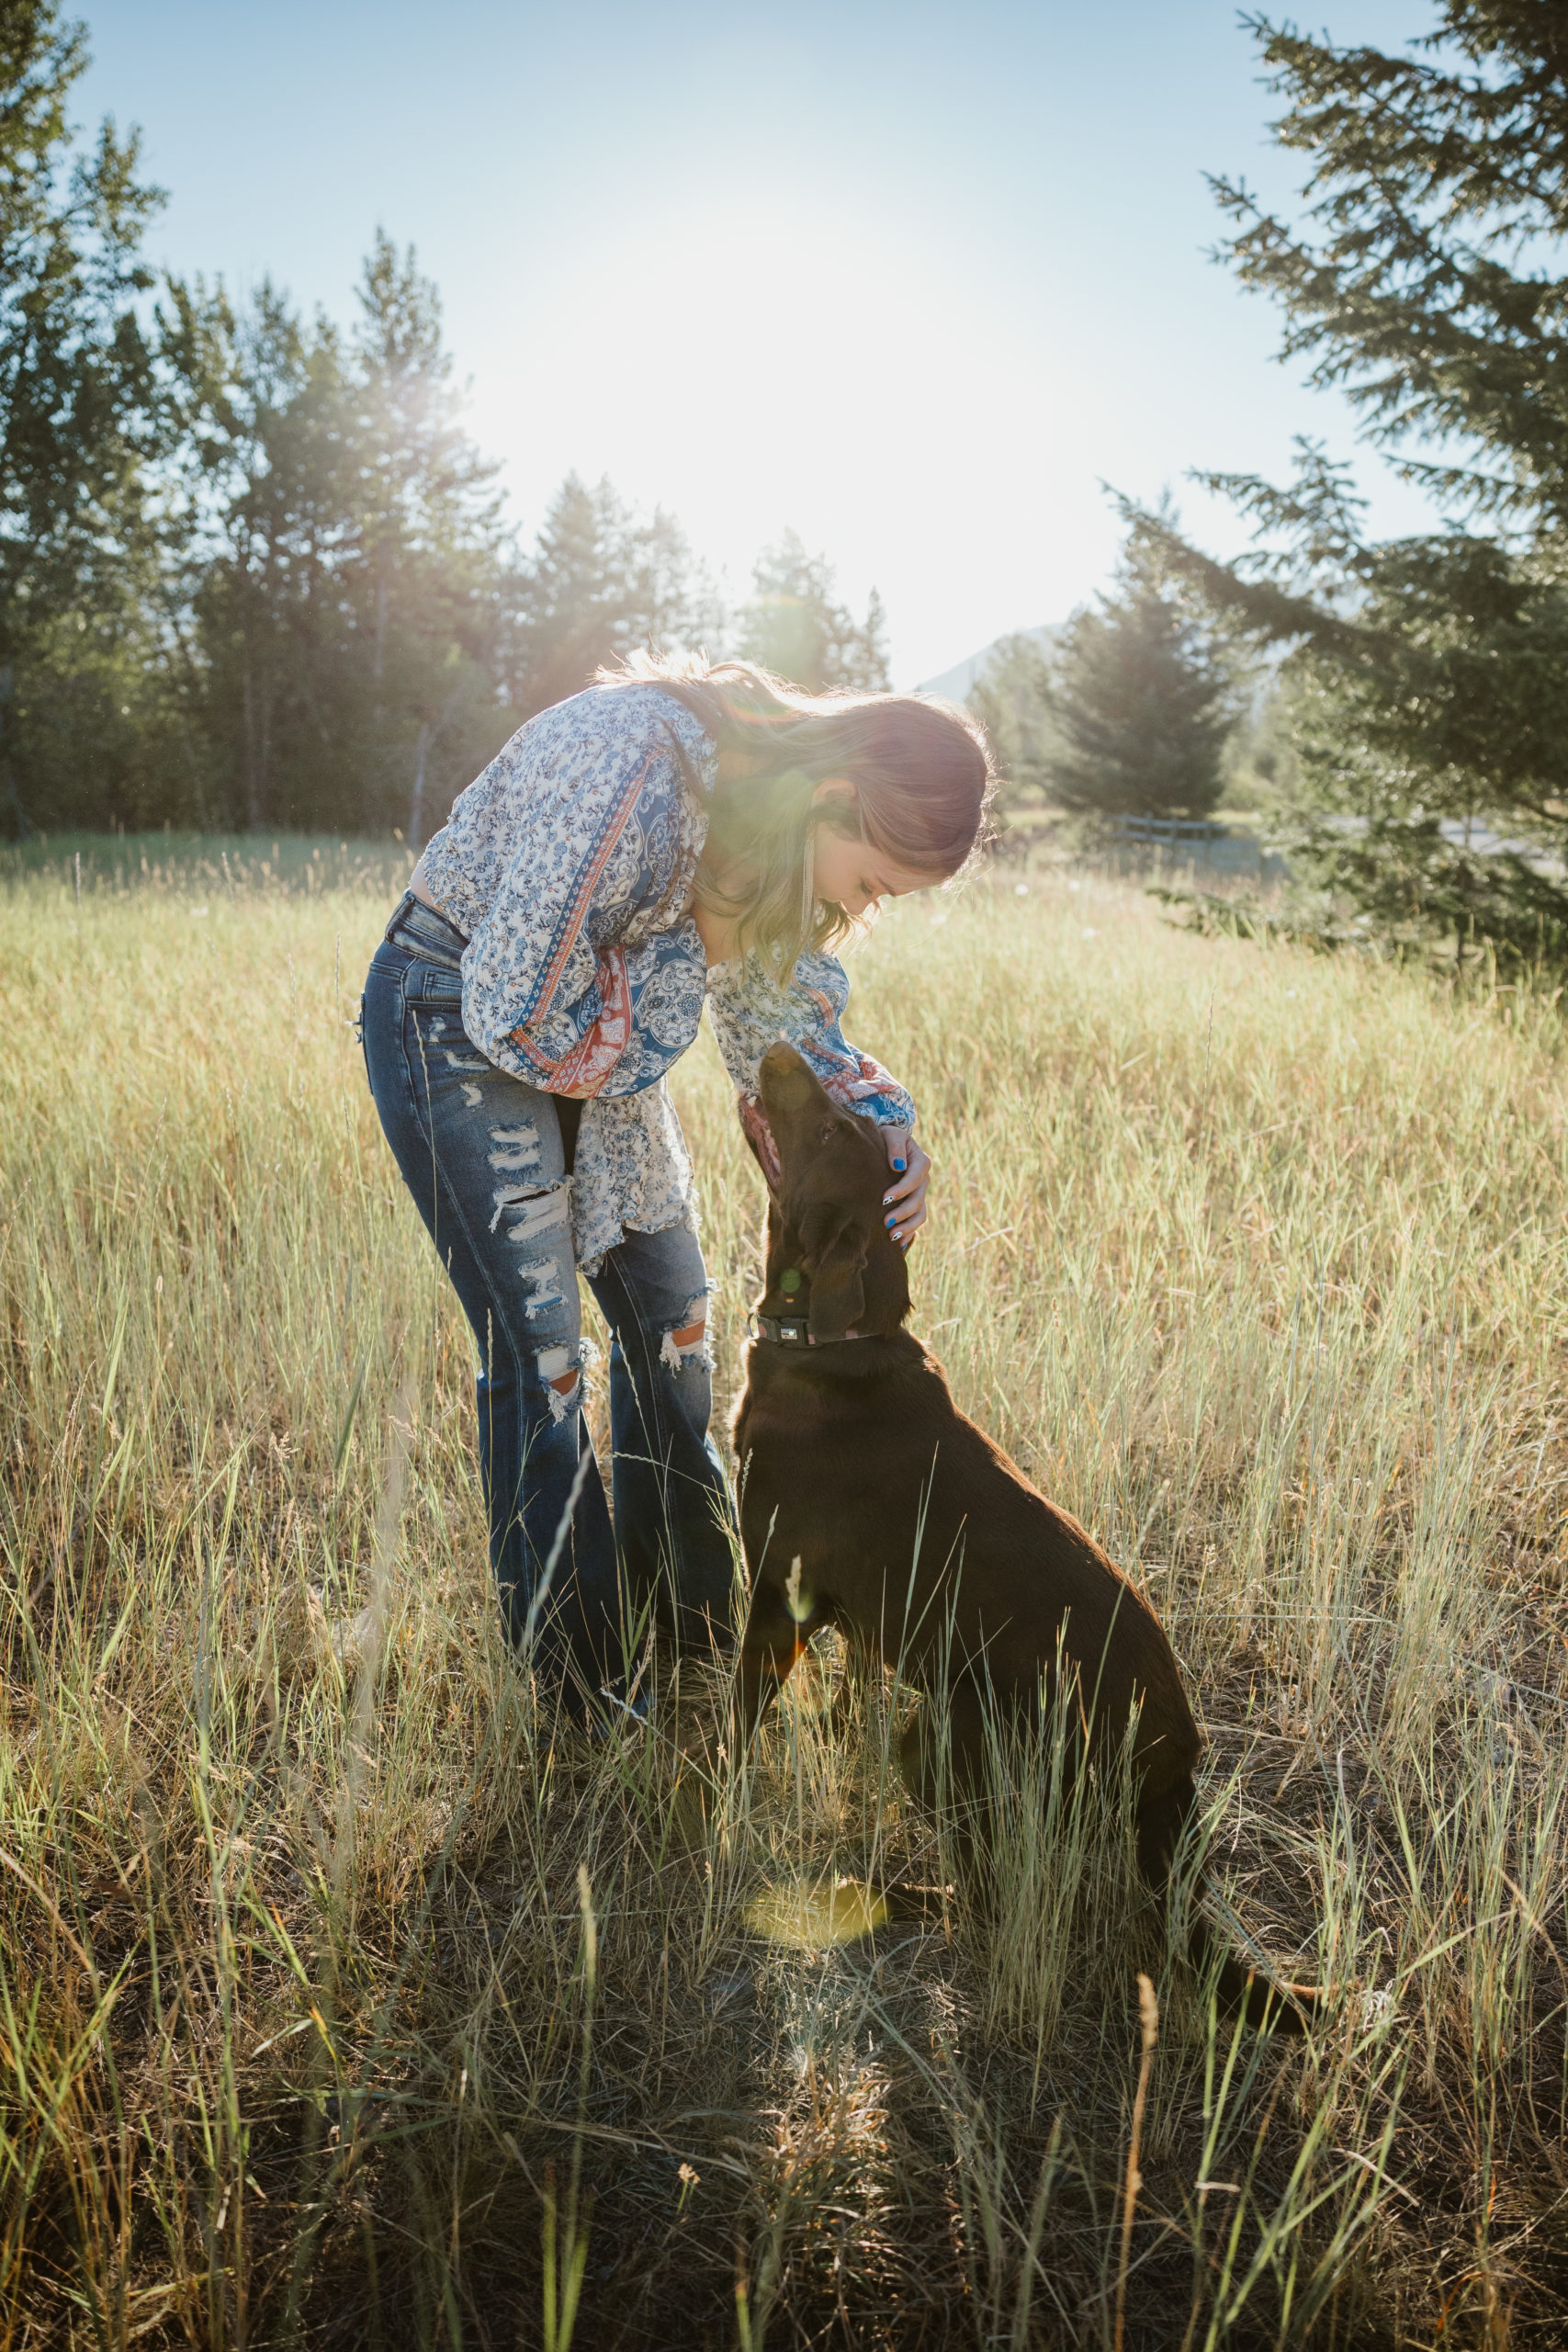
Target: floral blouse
x,y
567,864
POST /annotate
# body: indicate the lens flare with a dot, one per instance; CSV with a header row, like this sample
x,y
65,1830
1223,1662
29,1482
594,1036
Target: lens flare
x,y
807,1918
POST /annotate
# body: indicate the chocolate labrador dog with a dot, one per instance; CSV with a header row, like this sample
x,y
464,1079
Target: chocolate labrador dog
x,y
869,1503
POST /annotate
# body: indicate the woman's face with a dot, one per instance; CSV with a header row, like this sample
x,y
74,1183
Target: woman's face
x,y
847,873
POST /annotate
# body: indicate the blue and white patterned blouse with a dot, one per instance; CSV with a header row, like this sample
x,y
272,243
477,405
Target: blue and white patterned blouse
x,y
568,863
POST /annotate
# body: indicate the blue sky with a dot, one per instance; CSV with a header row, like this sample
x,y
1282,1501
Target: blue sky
x,y
913,278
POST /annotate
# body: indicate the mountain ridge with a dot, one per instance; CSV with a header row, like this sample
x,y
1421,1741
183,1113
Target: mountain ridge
x,y
957,684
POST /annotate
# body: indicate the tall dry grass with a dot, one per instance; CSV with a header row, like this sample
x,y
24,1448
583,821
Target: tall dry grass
x,y
346,1998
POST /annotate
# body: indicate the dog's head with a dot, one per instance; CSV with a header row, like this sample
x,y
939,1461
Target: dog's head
x,y
830,1255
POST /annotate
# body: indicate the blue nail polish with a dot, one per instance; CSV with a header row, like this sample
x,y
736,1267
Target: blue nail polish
x,y
890,1220
898,1168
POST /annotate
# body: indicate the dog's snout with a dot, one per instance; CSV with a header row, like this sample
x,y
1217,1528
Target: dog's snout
x,y
786,1082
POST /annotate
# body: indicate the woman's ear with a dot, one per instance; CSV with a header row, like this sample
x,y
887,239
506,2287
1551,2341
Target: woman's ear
x,y
838,1293
837,803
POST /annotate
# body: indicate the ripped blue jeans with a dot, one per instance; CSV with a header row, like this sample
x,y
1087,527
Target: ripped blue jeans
x,y
486,1160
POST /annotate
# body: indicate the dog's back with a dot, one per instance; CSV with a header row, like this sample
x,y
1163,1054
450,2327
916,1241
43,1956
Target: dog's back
x,y
921,1541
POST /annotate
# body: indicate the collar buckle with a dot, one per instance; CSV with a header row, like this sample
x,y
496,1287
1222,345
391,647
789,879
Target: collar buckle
x,y
794,1331
783,1330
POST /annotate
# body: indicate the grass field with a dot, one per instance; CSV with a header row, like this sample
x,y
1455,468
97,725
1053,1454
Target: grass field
x,y
343,2002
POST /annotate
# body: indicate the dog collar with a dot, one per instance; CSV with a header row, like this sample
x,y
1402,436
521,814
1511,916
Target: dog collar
x,y
793,1331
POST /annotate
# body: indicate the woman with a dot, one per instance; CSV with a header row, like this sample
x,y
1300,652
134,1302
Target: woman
x,y
672,835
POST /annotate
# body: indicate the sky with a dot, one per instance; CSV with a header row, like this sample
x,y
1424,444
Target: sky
x,y
914,280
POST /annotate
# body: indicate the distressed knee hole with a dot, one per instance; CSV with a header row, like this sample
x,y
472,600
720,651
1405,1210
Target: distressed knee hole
x,y
563,1375
686,1343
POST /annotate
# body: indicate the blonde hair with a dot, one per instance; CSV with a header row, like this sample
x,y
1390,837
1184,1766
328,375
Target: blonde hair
x,y
920,769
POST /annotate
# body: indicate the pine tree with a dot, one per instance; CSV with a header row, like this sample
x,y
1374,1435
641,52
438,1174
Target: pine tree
x,y
344,617
81,422
794,624
600,583
428,587
1142,701
1427,677
1012,698
273,688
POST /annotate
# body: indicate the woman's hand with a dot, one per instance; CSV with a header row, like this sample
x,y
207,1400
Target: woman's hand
x,y
904,1203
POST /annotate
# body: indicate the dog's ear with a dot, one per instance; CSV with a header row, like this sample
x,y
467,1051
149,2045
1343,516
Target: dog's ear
x,y
838,1293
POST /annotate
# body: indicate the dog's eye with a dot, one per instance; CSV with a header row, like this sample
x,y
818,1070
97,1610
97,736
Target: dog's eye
x,y
827,1134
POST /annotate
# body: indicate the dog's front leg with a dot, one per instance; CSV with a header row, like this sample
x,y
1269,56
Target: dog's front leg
x,y
774,1639
862,1673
